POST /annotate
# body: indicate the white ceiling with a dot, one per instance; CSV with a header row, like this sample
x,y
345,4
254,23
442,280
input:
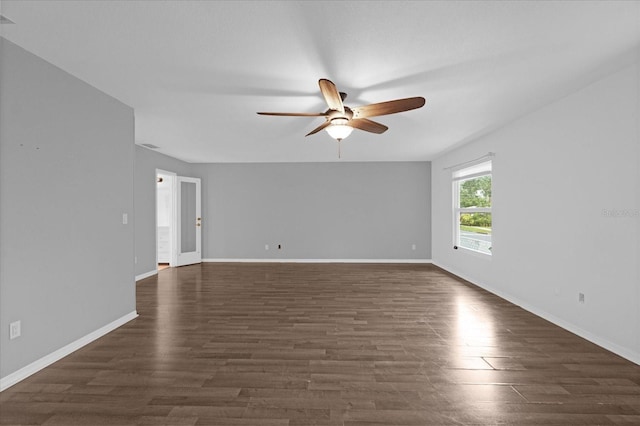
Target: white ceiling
x,y
197,72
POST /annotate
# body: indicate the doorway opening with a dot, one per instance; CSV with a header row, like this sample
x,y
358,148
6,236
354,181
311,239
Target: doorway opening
x,y
165,220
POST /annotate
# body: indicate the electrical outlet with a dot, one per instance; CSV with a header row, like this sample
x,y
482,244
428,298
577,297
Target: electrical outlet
x,y
266,246
14,330
581,297
279,246
125,218
413,246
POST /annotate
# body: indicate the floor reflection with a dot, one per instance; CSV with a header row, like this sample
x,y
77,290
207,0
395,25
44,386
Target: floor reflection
x,y
474,327
167,311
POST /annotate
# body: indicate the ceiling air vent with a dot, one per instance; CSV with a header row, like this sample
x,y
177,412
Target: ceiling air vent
x,y
5,20
150,145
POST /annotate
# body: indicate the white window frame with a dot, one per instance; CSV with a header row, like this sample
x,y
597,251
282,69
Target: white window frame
x,y
482,168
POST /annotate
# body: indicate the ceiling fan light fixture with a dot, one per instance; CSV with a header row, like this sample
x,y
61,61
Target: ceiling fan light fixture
x,y
339,129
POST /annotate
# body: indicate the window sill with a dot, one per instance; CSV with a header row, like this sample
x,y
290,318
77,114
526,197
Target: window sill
x,y
474,253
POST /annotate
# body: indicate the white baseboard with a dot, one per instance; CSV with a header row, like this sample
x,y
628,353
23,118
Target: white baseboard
x,y
319,260
604,343
34,367
146,275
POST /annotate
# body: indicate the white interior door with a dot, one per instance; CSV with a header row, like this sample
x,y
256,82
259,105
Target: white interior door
x,y
189,221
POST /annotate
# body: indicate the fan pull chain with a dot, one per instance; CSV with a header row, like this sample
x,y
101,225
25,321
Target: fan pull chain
x,y
339,149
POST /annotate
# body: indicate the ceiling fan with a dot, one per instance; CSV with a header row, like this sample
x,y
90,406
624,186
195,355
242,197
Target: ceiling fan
x,y
340,120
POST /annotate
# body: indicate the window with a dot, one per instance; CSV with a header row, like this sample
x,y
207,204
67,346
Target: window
x,y
472,208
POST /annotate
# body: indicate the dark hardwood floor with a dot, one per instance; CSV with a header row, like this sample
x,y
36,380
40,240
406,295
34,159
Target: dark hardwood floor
x,y
328,344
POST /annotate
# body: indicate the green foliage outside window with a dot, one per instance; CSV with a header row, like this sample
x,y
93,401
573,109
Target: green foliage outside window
x,y
476,192
476,219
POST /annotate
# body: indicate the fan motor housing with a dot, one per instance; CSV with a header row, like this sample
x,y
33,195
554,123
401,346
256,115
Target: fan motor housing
x,y
333,114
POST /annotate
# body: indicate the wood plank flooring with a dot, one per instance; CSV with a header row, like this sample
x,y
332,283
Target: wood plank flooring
x,y
328,344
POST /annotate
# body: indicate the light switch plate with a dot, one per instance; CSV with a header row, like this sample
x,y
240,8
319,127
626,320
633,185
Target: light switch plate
x,y
14,330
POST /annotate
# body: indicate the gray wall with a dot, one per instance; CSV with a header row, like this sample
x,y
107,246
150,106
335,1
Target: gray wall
x,y
146,163
317,210
66,178
559,175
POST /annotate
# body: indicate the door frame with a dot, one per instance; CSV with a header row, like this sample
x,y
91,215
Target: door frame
x,y
172,217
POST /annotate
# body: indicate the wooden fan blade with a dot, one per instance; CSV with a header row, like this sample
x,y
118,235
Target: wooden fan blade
x,y
320,127
294,114
367,125
390,107
331,95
